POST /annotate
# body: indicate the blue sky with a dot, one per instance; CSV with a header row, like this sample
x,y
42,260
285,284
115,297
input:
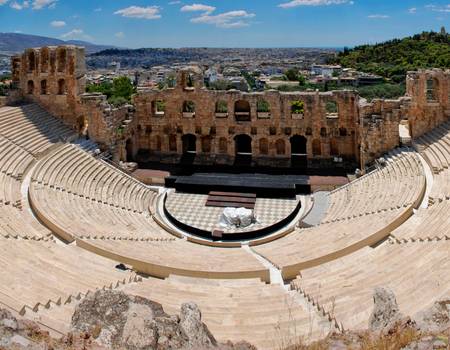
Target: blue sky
x,y
224,23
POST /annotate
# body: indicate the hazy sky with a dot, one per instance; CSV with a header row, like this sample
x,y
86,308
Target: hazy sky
x,y
224,23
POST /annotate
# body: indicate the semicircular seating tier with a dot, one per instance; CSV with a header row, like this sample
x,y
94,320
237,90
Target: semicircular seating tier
x,y
105,211
435,148
32,128
399,184
39,274
266,315
373,221
417,273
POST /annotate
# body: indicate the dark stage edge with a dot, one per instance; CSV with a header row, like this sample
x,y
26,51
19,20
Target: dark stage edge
x,y
263,185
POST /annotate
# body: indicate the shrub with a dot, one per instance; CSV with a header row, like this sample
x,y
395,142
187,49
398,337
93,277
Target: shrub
x,y
298,107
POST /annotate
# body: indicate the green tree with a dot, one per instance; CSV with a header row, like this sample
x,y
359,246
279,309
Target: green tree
x,y
123,87
292,74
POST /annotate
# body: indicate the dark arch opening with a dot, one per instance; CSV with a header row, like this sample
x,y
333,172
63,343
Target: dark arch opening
x,y
299,156
30,87
129,149
242,110
189,144
61,87
298,145
243,144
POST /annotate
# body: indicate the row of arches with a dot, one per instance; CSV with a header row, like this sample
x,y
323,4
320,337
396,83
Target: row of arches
x,y
62,90
46,61
243,145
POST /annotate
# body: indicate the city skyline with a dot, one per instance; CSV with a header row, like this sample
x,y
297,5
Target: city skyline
x,y
220,23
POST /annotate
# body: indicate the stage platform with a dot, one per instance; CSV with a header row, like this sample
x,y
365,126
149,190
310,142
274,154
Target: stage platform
x,y
263,185
189,212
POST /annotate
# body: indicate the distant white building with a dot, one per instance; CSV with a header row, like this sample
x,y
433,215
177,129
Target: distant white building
x,y
327,71
211,75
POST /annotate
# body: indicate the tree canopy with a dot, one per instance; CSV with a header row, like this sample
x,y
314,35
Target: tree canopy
x,y
392,59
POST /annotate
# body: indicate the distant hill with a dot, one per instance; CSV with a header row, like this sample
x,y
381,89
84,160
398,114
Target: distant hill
x,y
392,59
12,43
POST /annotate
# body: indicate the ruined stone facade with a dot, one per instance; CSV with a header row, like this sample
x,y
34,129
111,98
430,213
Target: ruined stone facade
x,y
271,128
55,78
218,125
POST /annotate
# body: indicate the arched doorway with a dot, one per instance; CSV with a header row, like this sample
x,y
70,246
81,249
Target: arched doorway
x,y
299,153
243,148
129,149
243,145
189,144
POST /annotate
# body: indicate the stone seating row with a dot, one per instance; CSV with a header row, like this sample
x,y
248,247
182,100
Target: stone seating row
x,y
432,223
435,148
32,128
399,184
15,223
179,257
13,163
268,316
76,216
416,272
75,171
317,245
38,274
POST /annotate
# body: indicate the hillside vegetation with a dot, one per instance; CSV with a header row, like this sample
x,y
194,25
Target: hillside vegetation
x,y
392,59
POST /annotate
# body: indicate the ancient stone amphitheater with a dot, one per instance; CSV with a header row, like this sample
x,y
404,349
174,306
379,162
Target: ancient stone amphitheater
x,y
68,218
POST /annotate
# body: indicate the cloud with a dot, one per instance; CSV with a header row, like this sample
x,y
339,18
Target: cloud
x,y
119,35
2,2
98,9
412,10
40,4
18,6
149,12
76,34
198,7
58,24
440,8
297,3
174,2
231,19
377,16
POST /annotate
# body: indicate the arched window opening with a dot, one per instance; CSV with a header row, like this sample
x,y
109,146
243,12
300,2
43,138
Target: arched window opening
x,y
316,147
264,146
30,87
188,109
221,109
334,147
62,60
173,143
31,61
44,87
223,145
263,109
242,111
61,87
280,147
206,144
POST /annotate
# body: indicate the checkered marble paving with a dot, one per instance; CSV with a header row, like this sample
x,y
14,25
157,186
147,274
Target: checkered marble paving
x,y
190,209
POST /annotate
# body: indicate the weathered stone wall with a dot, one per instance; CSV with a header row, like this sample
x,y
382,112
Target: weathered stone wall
x,y
161,134
55,78
379,127
430,99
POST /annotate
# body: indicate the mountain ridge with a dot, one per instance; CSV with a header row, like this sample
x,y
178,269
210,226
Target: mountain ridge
x,y
13,43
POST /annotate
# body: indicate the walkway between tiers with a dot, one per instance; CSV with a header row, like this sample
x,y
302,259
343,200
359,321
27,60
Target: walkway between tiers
x,y
429,181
